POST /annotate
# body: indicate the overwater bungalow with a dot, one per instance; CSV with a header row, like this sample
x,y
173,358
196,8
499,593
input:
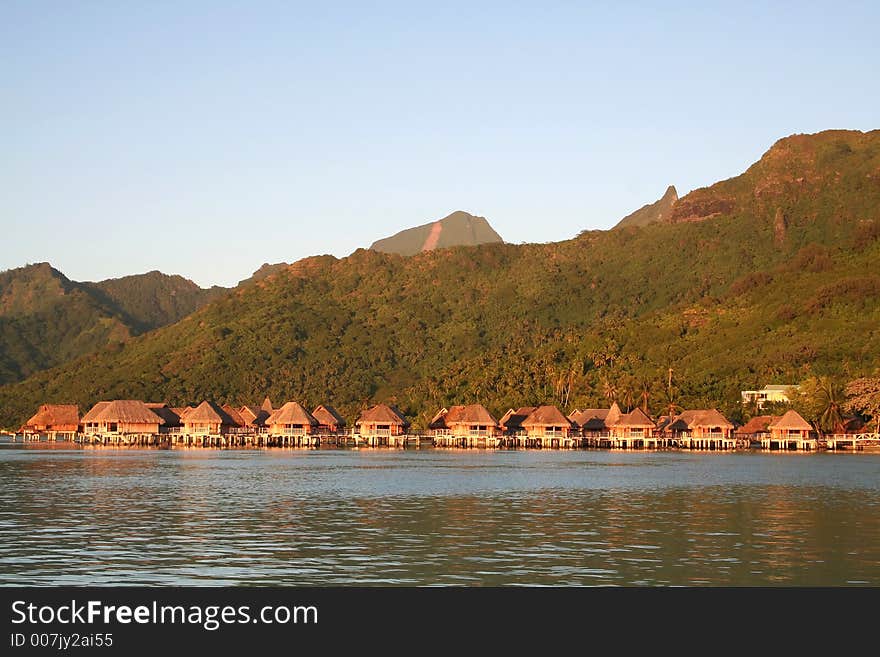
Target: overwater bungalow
x,y
756,430
791,431
595,423
634,430
465,426
700,429
207,419
382,425
547,426
53,421
254,417
329,420
171,419
511,424
113,421
231,411
292,425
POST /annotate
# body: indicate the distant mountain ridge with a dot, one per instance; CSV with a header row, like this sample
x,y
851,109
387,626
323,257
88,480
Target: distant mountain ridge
x,y
47,319
768,275
653,212
457,229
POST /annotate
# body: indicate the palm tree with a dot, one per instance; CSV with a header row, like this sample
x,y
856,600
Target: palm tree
x,y
609,390
832,396
645,385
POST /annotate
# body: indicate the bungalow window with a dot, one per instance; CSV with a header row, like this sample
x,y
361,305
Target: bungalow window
x,y
477,430
113,427
383,429
638,432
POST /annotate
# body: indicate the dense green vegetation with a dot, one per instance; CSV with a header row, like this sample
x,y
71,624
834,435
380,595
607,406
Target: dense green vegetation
x,y
776,283
47,319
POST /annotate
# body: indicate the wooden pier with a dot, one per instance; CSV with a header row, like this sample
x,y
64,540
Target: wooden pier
x,y
853,442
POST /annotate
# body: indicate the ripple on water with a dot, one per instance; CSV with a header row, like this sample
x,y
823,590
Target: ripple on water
x,y
435,518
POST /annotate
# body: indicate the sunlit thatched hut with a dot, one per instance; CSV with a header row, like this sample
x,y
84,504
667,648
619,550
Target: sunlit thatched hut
x,y
329,420
121,416
381,422
53,420
595,422
511,422
292,419
633,430
171,420
208,419
547,426
254,417
791,431
700,429
464,425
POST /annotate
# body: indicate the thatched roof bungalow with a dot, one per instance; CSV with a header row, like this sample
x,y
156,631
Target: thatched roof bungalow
x,y
208,419
168,414
595,422
329,420
790,426
292,419
382,420
53,418
757,428
471,420
121,416
702,423
511,421
235,415
633,425
547,421
254,416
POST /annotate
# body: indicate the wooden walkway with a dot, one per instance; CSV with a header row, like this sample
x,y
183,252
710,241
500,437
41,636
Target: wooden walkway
x,y
848,442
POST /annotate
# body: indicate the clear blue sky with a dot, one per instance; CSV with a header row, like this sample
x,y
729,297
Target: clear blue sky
x,y
205,138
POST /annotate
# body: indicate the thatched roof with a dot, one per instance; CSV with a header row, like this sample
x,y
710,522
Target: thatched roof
x,y
457,415
546,416
383,414
182,411
699,418
293,413
165,412
254,415
55,415
209,413
614,415
791,421
327,415
267,405
758,424
234,414
94,411
635,418
128,411
513,419
591,419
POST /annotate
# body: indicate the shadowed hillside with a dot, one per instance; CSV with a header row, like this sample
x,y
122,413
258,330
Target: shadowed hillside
x,y
47,319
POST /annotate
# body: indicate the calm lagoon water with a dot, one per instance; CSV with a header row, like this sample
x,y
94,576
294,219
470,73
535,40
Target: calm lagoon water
x,y
74,515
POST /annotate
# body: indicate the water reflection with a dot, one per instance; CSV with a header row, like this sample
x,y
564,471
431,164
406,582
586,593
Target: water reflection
x,y
122,516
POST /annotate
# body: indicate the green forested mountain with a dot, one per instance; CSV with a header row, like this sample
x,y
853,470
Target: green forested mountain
x,y
764,278
46,319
